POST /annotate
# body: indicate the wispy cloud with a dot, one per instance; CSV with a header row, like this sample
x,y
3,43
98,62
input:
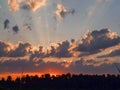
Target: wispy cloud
x,y
61,11
100,1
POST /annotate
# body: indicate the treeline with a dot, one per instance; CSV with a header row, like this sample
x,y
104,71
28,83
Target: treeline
x,y
62,82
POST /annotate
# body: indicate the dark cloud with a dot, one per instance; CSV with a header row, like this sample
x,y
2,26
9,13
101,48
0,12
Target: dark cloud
x,y
72,40
16,66
95,41
10,50
21,50
62,50
104,68
23,65
37,54
15,29
24,7
72,11
4,48
27,26
6,24
79,66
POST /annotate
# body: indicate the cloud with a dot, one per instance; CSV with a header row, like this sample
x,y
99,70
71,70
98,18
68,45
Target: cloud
x,y
4,48
13,5
10,50
62,50
6,24
93,42
32,5
29,66
96,41
20,1
79,66
22,57
27,26
22,49
113,53
15,29
104,68
36,55
61,11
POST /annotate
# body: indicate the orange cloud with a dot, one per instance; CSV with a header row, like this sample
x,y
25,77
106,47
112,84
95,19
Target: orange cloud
x,y
20,1
13,5
61,11
35,4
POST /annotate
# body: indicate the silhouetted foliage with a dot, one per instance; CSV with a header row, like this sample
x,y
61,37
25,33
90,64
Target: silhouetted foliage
x,y
62,82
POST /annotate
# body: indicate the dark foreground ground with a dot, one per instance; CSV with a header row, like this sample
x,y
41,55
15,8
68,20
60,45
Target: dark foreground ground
x,y
62,82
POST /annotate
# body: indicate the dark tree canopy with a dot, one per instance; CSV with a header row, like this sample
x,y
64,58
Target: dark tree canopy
x,y
62,82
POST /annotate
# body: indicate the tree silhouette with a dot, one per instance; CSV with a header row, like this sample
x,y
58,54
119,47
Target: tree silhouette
x,y
9,79
62,82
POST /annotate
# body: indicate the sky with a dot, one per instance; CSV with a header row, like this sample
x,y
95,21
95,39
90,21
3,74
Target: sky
x,y
45,36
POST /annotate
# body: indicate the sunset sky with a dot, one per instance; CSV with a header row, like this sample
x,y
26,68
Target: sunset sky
x,y
60,36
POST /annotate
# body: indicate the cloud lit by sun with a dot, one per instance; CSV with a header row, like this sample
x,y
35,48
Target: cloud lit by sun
x,y
33,5
50,36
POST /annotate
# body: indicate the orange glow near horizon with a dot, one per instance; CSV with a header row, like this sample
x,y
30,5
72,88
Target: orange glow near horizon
x,y
15,75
